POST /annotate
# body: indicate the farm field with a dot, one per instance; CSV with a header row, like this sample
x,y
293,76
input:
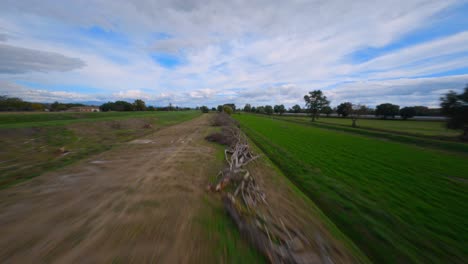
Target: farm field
x,y
410,127
145,200
31,142
397,202
28,119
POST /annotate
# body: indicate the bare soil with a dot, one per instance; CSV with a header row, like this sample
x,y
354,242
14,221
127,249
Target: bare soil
x,y
135,203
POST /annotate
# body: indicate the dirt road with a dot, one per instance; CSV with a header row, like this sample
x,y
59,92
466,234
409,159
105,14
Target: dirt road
x,y
135,203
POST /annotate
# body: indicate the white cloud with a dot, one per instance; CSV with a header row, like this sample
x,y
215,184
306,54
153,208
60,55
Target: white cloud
x,y
132,95
38,95
15,60
240,50
404,92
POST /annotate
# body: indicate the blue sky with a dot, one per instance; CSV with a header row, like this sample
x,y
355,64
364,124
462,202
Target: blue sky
x,y
259,52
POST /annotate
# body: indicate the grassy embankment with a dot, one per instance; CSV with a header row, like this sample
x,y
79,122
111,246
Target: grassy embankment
x,y
31,141
397,202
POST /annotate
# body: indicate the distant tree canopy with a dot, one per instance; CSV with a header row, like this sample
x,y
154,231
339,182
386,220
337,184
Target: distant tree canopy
x,y
117,106
204,109
315,102
139,105
387,110
408,112
279,109
14,104
268,109
455,106
233,106
227,109
296,108
327,110
220,108
17,104
247,108
344,109
261,110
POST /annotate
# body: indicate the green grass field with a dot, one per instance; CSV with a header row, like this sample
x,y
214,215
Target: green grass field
x,y
410,127
31,141
27,119
397,202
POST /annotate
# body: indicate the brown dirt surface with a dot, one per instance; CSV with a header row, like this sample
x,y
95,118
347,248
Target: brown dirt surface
x,y
135,203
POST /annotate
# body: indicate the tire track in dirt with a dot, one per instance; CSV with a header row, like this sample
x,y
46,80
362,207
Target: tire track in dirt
x,y
135,203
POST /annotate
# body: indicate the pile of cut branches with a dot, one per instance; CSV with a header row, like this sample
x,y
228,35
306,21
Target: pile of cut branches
x,y
247,205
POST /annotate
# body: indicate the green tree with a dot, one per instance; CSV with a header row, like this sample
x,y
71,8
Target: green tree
x,y
139,105
122,106
421,110
279,109
37,107
247,108
261,109
407,112
296,109
327,110
204,109
268,109
344,109
386,110
276,109
227,109
56,106
455,106
233,107
315,102
356,112
220,108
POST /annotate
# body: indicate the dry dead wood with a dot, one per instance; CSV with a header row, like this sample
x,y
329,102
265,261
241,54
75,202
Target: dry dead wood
x,y
247,205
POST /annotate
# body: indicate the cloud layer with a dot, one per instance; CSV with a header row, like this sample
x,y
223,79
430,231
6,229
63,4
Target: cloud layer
x,y
254,52
15,60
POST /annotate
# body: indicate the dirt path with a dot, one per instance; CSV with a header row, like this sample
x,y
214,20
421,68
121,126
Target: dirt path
x,y
135,203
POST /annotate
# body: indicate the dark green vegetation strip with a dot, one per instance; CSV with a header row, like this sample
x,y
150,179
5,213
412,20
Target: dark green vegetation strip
x,y
30,142
19,120
222,233
398,203
407,139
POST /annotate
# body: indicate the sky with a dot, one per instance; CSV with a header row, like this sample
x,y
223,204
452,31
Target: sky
x,y
193,53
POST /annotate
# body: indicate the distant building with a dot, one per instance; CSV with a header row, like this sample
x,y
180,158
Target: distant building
x,y
83,109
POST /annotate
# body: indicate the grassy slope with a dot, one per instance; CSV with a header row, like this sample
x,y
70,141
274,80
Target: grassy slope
x,y
396,202
30,142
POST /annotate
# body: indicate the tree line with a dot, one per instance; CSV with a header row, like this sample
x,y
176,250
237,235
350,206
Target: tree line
x,y
17,104
453,105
